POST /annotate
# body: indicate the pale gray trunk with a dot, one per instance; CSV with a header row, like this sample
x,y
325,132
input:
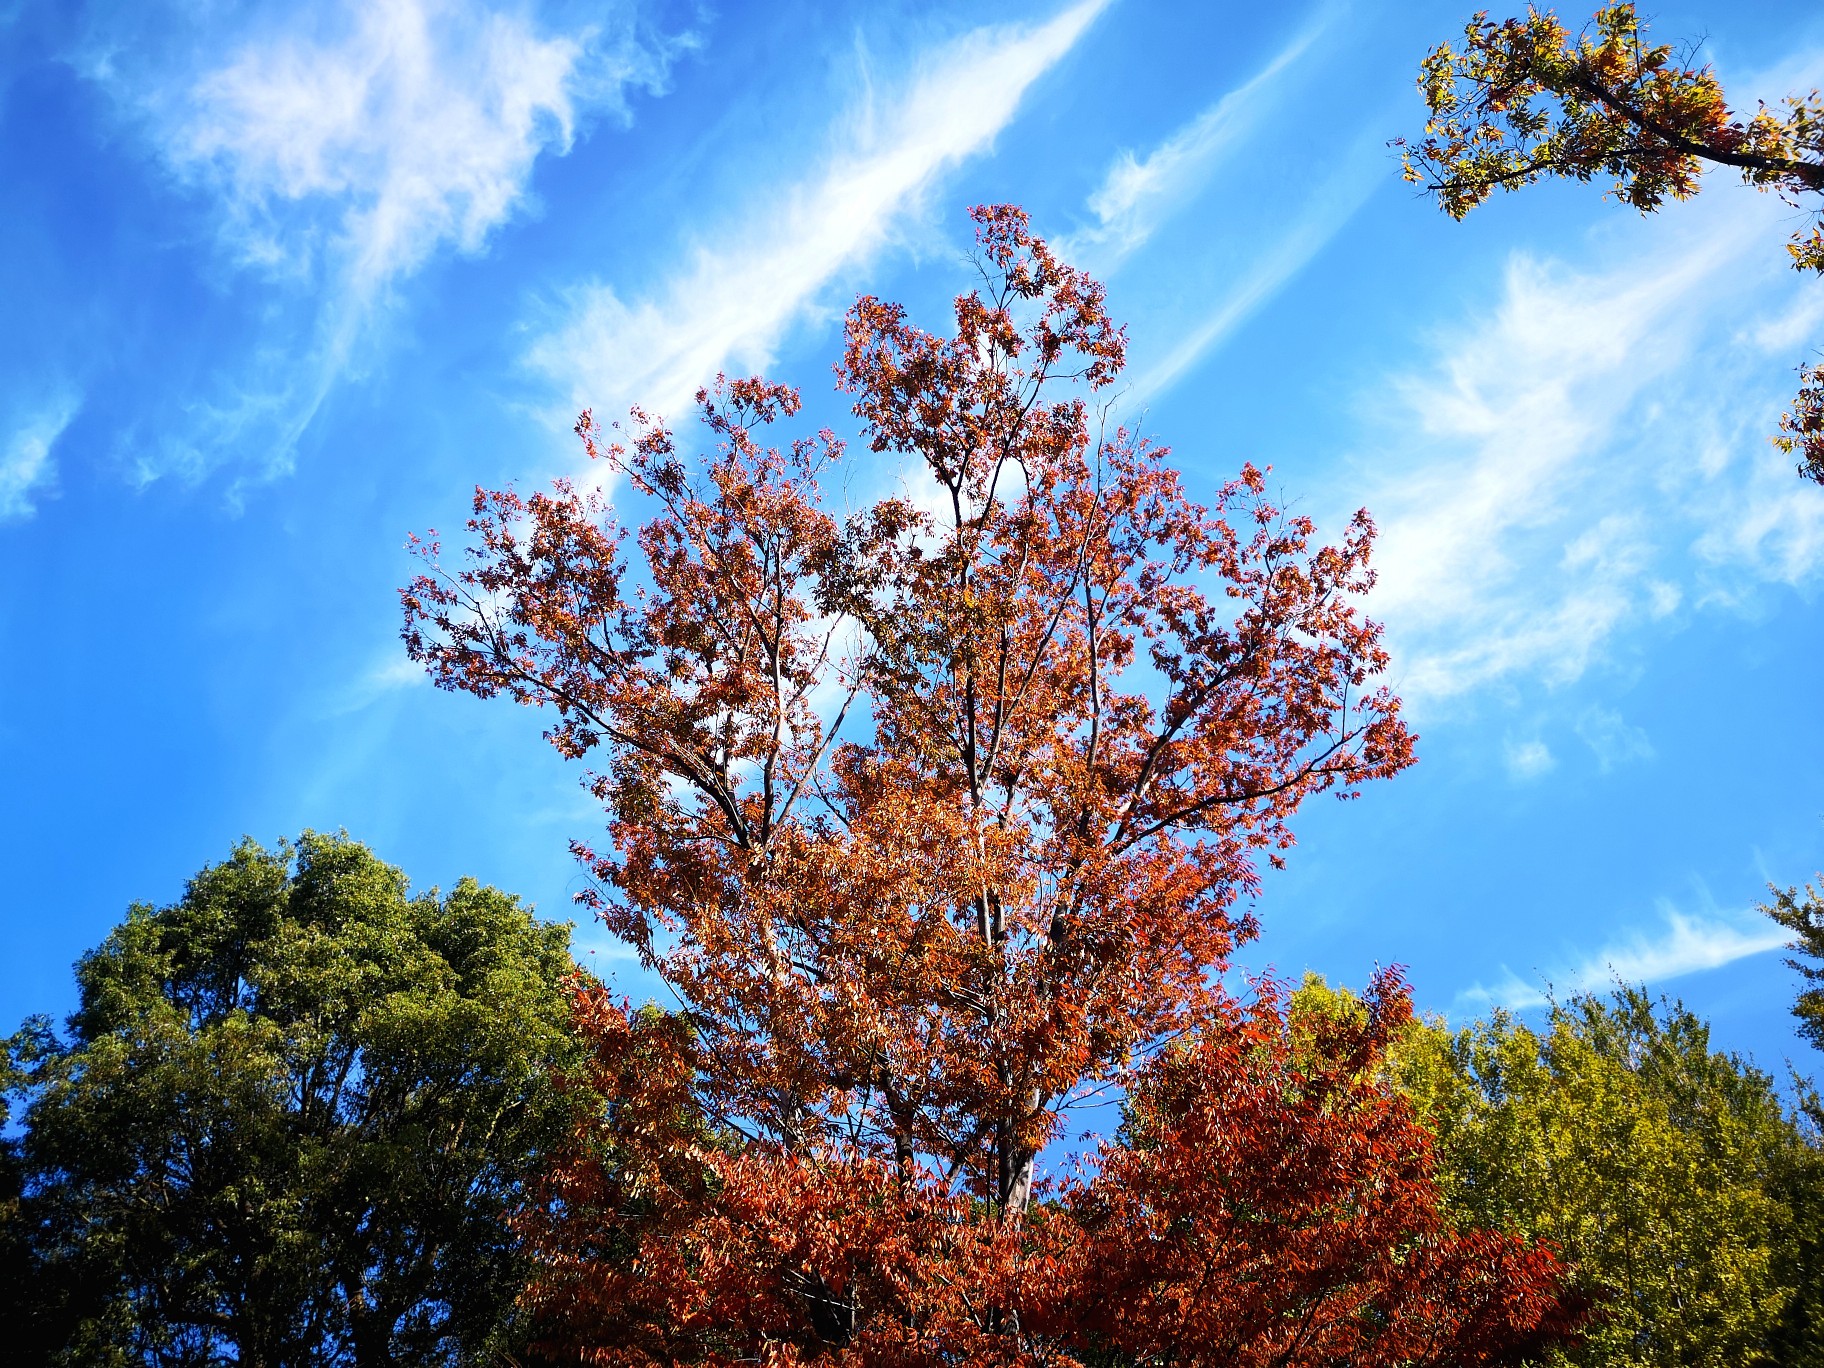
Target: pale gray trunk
x,y
1016,1166
1018,1195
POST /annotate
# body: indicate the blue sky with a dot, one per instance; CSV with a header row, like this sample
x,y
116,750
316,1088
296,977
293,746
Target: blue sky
x,y
282,283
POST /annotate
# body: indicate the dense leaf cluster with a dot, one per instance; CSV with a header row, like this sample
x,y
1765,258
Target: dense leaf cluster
x,y
285,1123
1802,913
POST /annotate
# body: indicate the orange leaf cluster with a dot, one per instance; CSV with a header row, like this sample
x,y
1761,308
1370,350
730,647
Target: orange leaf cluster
x,y
1522,99
1270,1202
1802,427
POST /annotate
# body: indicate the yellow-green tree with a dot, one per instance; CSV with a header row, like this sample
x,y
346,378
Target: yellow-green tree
x,y
1670,1175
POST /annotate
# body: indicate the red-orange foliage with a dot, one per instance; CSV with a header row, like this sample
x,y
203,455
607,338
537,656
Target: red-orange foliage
x,y
1273,1203
940,819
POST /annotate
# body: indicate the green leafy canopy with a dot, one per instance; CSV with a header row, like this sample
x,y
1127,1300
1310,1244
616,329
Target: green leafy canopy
x,y
289,1116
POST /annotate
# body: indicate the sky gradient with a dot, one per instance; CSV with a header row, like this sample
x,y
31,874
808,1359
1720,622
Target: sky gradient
x,y
282,283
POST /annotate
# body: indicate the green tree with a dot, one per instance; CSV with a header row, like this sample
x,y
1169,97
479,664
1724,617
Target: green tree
x,y
1682,1191
1803,915
1802,1184
287,1122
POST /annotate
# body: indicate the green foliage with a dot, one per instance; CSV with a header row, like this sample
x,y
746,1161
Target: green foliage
x,y
1683,1193
1798,1183
1688,1199
1804,917
286,1124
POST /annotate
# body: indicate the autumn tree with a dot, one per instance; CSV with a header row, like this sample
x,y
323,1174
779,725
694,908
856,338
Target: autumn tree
x,y
286,1124
1522,100
939,820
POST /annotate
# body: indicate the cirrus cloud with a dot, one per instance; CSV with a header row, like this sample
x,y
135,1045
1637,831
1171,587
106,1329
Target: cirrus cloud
x,y
1682,945
25,450
1546,476
735,297
341,148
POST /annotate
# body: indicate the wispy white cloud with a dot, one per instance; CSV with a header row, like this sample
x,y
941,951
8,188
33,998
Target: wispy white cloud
x,y
1611,739
414,126
390,672
1138,191
1290,247
1253,256
1518,409
1682,945
1545,473
735,299
1769,523
26,468
1529,759
1788,329
343,150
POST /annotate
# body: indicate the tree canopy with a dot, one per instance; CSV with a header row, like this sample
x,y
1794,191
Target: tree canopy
x,y
1679,1187
287,1121
940,821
